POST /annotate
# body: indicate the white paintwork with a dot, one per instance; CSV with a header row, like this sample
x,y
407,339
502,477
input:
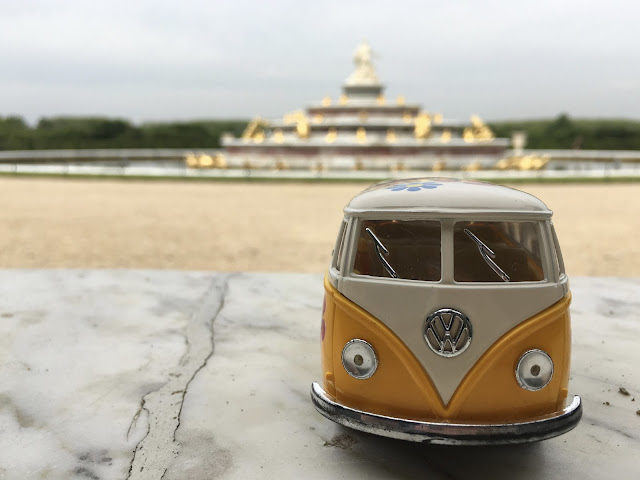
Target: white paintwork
x,y
445,195
109,337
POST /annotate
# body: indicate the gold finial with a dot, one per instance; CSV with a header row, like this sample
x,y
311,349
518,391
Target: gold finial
x,y
343,99
332,134
278,136
391,135
400,100
446,136
326,101
437,118
380,100
406,116
361,135
422,126
318,117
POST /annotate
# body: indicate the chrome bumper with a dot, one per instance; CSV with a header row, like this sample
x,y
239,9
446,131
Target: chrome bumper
x,y
532,430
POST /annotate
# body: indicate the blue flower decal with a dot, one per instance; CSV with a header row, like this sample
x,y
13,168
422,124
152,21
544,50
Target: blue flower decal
x,y
414,186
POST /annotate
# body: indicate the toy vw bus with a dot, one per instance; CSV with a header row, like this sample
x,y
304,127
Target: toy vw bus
x,y
446,316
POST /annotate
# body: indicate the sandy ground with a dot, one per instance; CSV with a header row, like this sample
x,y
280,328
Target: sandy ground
x,y
221,226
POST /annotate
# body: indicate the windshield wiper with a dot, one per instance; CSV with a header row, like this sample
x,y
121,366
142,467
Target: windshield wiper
x,y
380,248
487,255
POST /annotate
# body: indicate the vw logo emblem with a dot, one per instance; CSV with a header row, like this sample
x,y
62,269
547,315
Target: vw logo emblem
x,y
448,332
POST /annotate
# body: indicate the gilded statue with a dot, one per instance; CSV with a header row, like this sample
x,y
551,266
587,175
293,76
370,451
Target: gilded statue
x,y
477,132
365,73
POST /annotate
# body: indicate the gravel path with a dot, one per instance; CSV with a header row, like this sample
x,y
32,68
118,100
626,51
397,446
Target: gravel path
x,y
48,223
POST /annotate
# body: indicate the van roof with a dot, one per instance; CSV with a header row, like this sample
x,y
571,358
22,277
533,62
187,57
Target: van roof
x,y
444,195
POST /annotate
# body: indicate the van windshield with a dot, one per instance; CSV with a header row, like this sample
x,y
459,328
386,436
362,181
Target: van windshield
x,y
497,252
409,250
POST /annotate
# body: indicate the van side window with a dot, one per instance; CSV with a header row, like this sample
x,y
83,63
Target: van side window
x,y
408,250
496,252
558,254
337,254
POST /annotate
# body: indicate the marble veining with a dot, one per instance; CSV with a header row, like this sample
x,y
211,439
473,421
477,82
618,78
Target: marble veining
x,y
176,375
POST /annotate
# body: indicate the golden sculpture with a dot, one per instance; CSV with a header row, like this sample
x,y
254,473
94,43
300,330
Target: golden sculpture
x,y
191,160
361,135
326,101
255,127
281,165
302,128
204,160
398,166
422,126
439,166
318,167
278,136
406,116
293,117
332,134
472,167
446,136
318,117
526,162
477,132
437,118
380,100
343,99
247,164
391,135
259,137
400,100
301,121
364,73
220,161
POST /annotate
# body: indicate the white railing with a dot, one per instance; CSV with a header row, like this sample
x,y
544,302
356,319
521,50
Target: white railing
x,y
238,173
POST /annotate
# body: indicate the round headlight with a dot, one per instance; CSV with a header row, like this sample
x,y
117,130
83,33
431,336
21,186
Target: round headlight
x,y
359,359
534,370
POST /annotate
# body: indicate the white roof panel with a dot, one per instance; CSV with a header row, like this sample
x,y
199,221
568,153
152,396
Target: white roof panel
x,y
442,195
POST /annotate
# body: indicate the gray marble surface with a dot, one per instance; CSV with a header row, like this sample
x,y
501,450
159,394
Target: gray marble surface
x,y
188,375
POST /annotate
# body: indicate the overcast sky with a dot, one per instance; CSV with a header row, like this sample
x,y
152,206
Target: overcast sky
x,y
157,60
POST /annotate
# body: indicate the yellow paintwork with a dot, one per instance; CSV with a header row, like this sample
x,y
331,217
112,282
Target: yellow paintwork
x,y
401,388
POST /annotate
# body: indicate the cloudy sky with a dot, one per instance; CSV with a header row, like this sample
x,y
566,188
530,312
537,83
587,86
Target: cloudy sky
x,y
158,60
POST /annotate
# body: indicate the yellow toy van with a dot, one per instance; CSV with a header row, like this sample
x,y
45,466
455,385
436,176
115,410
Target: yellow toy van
x,y
446,316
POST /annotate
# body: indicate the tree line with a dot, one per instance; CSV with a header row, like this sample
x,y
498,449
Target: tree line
x,y
95,132
89,132
563,132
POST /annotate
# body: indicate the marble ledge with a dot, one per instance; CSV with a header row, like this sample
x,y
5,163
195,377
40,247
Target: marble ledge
x,y
157,374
